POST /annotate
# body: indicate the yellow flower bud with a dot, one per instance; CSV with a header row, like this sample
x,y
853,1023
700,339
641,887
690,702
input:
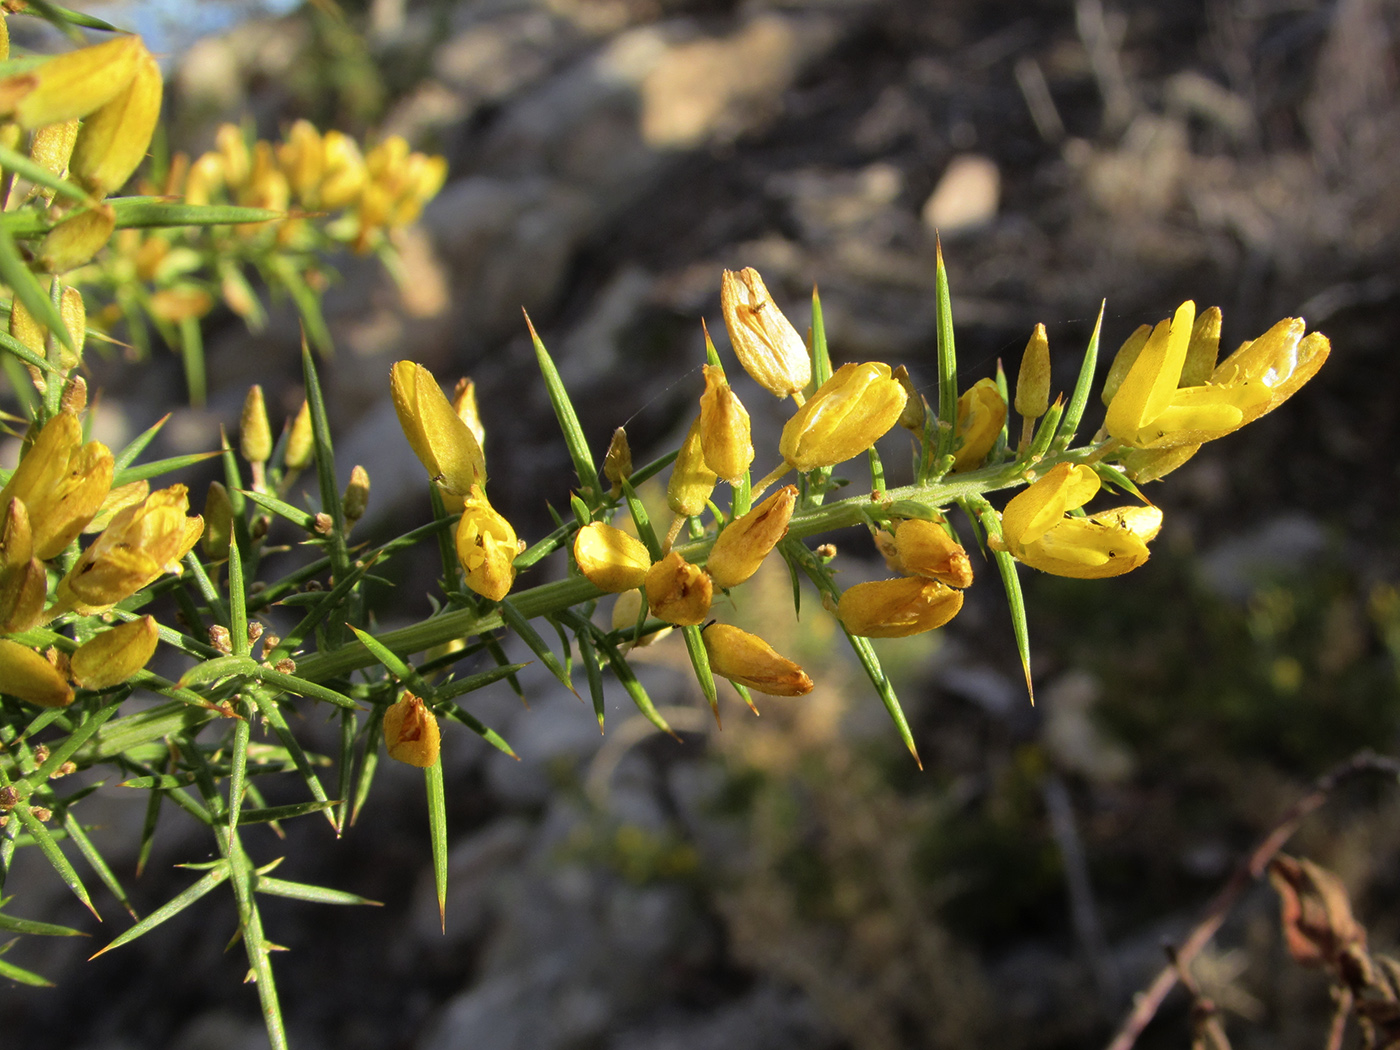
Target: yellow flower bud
x,y
218,521
763,339
724,429
691,480
27,676
1152,464
72,84
442,442
924,548
611,560
1038,530
486,546
897,608
23,580
464,404
301,443
254,429
749,660
74,241
113,141
617,464
1123,361
1033,380
356,499
113,656
411,732
141,542
62,483
981,415
677,591
849,413
746,541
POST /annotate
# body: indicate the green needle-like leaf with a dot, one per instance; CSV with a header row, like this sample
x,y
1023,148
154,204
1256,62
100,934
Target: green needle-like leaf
x,y
213,877
947,359
269,814
28,168
156,468
460,686
96,861
642,520
1079,400
466,718
301,891
984,514
272,713
568,421
255,944
137,445
302,519
522,627
20,975
325,465
11,924
700,661
26,287
589,656
49,848
437,830
152,212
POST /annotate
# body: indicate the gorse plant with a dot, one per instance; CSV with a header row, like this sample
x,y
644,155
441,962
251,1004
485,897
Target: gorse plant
x,y
81,618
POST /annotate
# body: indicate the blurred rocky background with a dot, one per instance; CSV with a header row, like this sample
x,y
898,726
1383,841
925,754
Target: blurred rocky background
x,y
794,881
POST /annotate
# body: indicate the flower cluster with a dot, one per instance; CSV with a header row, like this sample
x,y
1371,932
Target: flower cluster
x,y
61,488
375,191
1165,395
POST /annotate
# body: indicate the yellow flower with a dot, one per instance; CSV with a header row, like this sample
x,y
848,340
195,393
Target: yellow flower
x,y
1151,409
924,548
677,591
1038,530
62,483
981,415
110,658
23,580
442,442
746,541
724,429
72,84
691,481
142,541
27,676
611,560
411,732
113,141
763,339
897,608
849,413
749,660
464,404
486,547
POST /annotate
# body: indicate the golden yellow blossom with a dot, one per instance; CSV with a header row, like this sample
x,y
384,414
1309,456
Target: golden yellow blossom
x,y
486,547
981,415
142,541
23,579
610,559
724,429
62,483
113,141
1037,528
764,341
72,84
924,548
677,591
749,660
442,442
746,541
691,480
849,413
27,676
897,608
411,732
110,658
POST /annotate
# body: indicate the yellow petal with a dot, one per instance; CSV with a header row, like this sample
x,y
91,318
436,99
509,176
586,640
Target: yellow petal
x,y
113,656
114,140
27,676
897,608
750,661
610,559
846,416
